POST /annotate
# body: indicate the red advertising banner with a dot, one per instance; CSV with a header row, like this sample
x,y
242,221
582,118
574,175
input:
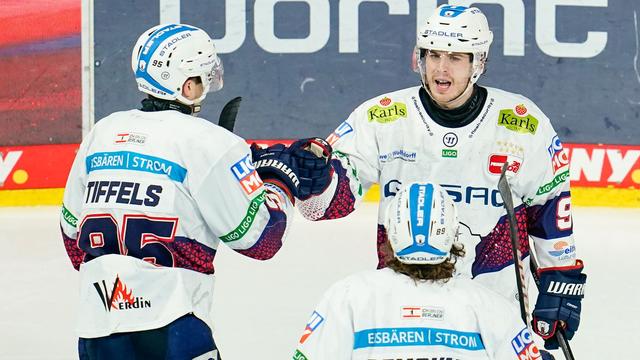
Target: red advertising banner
x,y
593,166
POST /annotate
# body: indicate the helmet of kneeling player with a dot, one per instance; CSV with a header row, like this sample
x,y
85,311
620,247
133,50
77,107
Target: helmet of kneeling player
x,y
165,56
456,29
422,224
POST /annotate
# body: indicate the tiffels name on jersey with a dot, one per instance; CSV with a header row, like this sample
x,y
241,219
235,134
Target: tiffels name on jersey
x,y
387,112
122,192
398,155
518,121
496,161
342,130
246,175
524,347
422,312
119,297
130,138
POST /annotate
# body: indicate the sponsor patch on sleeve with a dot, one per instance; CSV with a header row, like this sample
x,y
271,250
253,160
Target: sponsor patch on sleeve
x,y
342,130
313,323
246,175
524,346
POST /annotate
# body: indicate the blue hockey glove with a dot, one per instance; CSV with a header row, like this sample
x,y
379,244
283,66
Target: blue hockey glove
x,y
559,302
275,164
313,162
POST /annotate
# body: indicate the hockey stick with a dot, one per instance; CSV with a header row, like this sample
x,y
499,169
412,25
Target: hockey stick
x,y
229,112
507,199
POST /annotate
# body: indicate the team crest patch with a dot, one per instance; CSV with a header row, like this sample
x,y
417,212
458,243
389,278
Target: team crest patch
x,y
497,160
387,111
518,119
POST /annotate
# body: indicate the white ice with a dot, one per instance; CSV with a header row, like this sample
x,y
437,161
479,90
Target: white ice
x,y
261,308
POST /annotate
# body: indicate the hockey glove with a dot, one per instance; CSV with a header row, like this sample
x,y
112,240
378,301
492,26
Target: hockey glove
x,y
559,300
276,165
313,161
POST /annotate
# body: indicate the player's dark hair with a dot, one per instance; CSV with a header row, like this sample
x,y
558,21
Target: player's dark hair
x,y
437,273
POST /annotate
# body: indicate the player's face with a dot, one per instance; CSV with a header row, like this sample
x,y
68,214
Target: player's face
x,y
447,76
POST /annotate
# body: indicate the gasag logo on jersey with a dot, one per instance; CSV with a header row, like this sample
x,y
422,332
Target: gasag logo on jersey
x,y
119,297
472,195
130,138
563,251
524,346
422,312
559,156
313,323
496,161
246,175
517,120
387,111
449,153
398,155
342,130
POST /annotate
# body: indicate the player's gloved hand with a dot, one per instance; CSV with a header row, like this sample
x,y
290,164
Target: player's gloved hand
x,y
546,355
275,164
313,161
559,300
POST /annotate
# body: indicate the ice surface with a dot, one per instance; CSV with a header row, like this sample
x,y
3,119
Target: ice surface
x,y
261,308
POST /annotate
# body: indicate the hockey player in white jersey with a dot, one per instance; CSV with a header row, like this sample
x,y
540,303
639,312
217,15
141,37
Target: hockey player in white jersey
x,y
150,196
416,308
459,134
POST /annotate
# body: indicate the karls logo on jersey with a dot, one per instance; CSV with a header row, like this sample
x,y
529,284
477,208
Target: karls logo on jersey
x,y
422,312
119,297
246,175
517,120
563,250
450,139
130,138
496,161
524,346
313,323
387,111
342,130
559,156
7,163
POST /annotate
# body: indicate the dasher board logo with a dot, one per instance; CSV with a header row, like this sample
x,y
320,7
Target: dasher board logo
x,y
496,161
518,120
130,138
386,111
119,297
422,312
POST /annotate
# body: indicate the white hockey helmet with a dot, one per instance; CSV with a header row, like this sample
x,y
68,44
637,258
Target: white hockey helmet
x,y
165,56
456,29
422,224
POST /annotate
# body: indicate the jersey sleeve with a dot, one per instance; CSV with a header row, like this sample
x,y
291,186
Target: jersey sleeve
x,y
329,332
247,215
503,332
355,164
72,204
547,198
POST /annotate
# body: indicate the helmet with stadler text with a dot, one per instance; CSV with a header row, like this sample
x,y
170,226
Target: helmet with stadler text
x,y
456,29
165,56
422,224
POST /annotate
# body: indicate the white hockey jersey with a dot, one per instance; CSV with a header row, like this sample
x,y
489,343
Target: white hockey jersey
x,y
149,197
380,314
391,140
